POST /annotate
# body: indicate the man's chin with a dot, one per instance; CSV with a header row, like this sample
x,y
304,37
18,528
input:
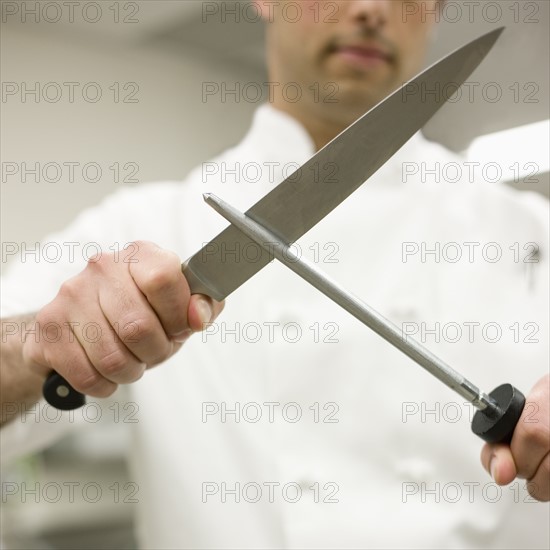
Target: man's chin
x,y
348,109
360,99
353,86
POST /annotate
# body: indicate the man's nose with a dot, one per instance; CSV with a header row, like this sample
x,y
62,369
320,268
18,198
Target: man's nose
x,y
373,13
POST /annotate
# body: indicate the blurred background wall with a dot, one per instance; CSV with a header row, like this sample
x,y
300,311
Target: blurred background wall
x,y
151,113
152,61
152,69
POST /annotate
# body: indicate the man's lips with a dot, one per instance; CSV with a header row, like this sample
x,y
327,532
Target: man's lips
x,y
362,55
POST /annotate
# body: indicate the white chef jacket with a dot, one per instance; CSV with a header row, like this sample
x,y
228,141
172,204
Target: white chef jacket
x,y
382,455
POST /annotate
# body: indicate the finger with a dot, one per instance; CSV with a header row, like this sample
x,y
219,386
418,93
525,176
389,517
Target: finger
x,y
539,485
157,273
134,321
108,355
529,446
202,310
531,440
64,354
497,459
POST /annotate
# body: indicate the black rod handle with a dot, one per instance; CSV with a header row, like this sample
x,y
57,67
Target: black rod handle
x,y
60,394
500,428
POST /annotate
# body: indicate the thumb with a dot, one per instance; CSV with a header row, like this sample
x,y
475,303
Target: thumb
x,y
497,459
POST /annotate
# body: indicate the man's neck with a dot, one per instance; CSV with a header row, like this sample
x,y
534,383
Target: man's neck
x,y
321,130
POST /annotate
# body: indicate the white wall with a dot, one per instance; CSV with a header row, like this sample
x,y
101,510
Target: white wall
x,y
166,133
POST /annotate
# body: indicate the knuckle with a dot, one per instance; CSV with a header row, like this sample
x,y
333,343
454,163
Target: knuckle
x,y
70,288
160,280
172,260
134,328
45,315
88,382
113,364
143,245
50,326
99,261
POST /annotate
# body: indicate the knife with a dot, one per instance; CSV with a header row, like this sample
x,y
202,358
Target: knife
x,y
303,199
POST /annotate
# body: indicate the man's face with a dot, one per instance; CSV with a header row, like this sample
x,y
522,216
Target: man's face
x,y
364,49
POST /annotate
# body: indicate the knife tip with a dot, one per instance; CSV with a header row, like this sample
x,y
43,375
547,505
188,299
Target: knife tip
x,y
493,35
206,196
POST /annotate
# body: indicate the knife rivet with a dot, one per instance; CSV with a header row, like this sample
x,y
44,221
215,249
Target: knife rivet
x,y
62,391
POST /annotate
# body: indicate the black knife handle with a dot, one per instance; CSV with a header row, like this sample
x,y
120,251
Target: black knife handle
x,y
60,394
500,428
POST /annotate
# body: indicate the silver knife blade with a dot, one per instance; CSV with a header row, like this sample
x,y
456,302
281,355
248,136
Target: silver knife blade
x,y
304,198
